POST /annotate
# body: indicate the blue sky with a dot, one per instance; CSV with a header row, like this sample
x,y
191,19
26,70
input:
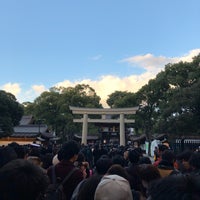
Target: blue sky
x,y
110,45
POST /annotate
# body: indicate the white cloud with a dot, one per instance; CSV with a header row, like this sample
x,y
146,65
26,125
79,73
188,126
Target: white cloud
x,y
38,89
13,88
20,94
108,84
32,93
155,64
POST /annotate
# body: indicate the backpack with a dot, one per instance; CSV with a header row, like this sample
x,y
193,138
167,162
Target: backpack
x,y
55,189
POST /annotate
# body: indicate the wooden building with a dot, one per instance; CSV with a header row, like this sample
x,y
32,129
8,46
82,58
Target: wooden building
x,y
27,132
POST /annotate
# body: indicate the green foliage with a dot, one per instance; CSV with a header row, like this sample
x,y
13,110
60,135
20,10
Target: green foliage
x,y
10,113
121,99
53,107
169,103
171,100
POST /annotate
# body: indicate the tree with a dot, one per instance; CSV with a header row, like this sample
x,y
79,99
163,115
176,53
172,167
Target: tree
x,y
150,97
10,113
181,110
53,107
121,99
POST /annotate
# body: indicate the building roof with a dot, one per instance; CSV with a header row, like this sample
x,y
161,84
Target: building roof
x,y
89,137
26,119
30,130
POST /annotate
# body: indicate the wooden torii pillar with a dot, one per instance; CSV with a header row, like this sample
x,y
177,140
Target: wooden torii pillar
x,y
103,112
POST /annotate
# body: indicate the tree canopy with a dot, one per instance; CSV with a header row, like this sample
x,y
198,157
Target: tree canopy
x,y
10,113
169,103
53,107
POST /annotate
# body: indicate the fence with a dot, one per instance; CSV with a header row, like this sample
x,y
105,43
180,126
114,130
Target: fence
x,y
182,144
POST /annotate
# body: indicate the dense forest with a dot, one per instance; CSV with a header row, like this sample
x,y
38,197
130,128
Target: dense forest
x,y
169,103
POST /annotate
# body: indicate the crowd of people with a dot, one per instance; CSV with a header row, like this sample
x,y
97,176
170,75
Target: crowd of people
x,y
102,172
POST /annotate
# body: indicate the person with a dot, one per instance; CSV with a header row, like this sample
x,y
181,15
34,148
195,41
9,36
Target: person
x,y
22,180
88,188
7,154
182,161
103,164
101,168
148,173
185,187
67,155
144,160
118,170
166,164
113,187
156,154
21,150
194,163
98,151
119,159
83,164
161,149
133,170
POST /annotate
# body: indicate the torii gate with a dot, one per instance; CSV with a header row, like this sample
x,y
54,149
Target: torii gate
x,y
103,112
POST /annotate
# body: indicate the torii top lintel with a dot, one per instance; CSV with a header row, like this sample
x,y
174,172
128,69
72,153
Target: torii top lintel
x,y
103,111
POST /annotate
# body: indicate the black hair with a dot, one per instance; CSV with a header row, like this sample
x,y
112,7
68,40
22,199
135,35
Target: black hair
x,y
22,180
185,155
168,156
68,150
7,154
194,160
134,155
162,147
118,159
103,164
176,187
144,160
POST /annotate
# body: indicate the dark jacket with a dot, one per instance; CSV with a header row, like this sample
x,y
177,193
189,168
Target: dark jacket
x,y
61,170
134,178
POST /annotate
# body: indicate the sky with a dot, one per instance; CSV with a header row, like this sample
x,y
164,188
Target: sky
x,y
112,45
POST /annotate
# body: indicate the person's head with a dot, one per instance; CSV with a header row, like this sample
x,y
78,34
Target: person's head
x,y
103,164
148,173
182,160
81,157
161,149
117,170
194,160
113,187
69,150
22,180
134,155
118,159
35,160
168,157
87,190
175,187
144,160
20,150
7,154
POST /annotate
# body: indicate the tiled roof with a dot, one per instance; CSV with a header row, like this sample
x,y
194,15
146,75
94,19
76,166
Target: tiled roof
x,y
25,120
31,128
89,137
